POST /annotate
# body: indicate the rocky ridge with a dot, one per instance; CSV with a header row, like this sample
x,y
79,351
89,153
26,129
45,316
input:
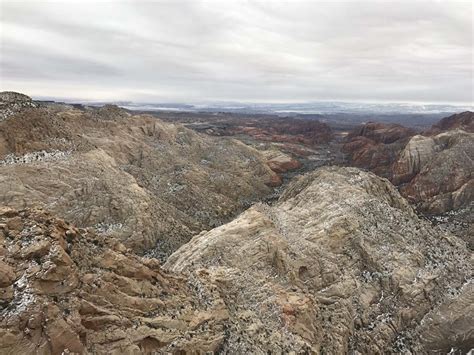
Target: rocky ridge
x,y
12,102
375,146
436,172
134,177
65,290
365,276
433,169
463,121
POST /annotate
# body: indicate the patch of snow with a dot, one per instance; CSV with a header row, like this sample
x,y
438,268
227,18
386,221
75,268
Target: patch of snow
x,y
108,228
36,157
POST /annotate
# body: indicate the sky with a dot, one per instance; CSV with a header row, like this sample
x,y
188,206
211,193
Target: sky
x,y
229,50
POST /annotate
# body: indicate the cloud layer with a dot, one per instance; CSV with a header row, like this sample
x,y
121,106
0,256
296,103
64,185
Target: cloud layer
x,y
254,50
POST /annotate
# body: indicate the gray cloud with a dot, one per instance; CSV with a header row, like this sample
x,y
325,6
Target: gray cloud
x,y
239,50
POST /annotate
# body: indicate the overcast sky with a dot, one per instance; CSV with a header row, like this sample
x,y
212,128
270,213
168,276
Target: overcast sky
x,y
258,51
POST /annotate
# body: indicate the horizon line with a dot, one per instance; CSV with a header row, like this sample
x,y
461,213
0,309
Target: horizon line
x,y
248,102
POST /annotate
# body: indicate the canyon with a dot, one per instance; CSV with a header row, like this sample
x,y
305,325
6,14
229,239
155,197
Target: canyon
x,y
145,233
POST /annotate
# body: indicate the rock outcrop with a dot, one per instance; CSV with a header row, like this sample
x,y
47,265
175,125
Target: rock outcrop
x,y
437,172
413,158
385,133
450,323
137,178
463,121
13,102
65,290
340,263
375,146
280,162
432,170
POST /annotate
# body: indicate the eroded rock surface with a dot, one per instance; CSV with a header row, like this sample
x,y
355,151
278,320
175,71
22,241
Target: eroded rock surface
x,y
433,170
341,263
12,102
280,162
65,290
375,146
133,177
413,158
463,121
437,172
